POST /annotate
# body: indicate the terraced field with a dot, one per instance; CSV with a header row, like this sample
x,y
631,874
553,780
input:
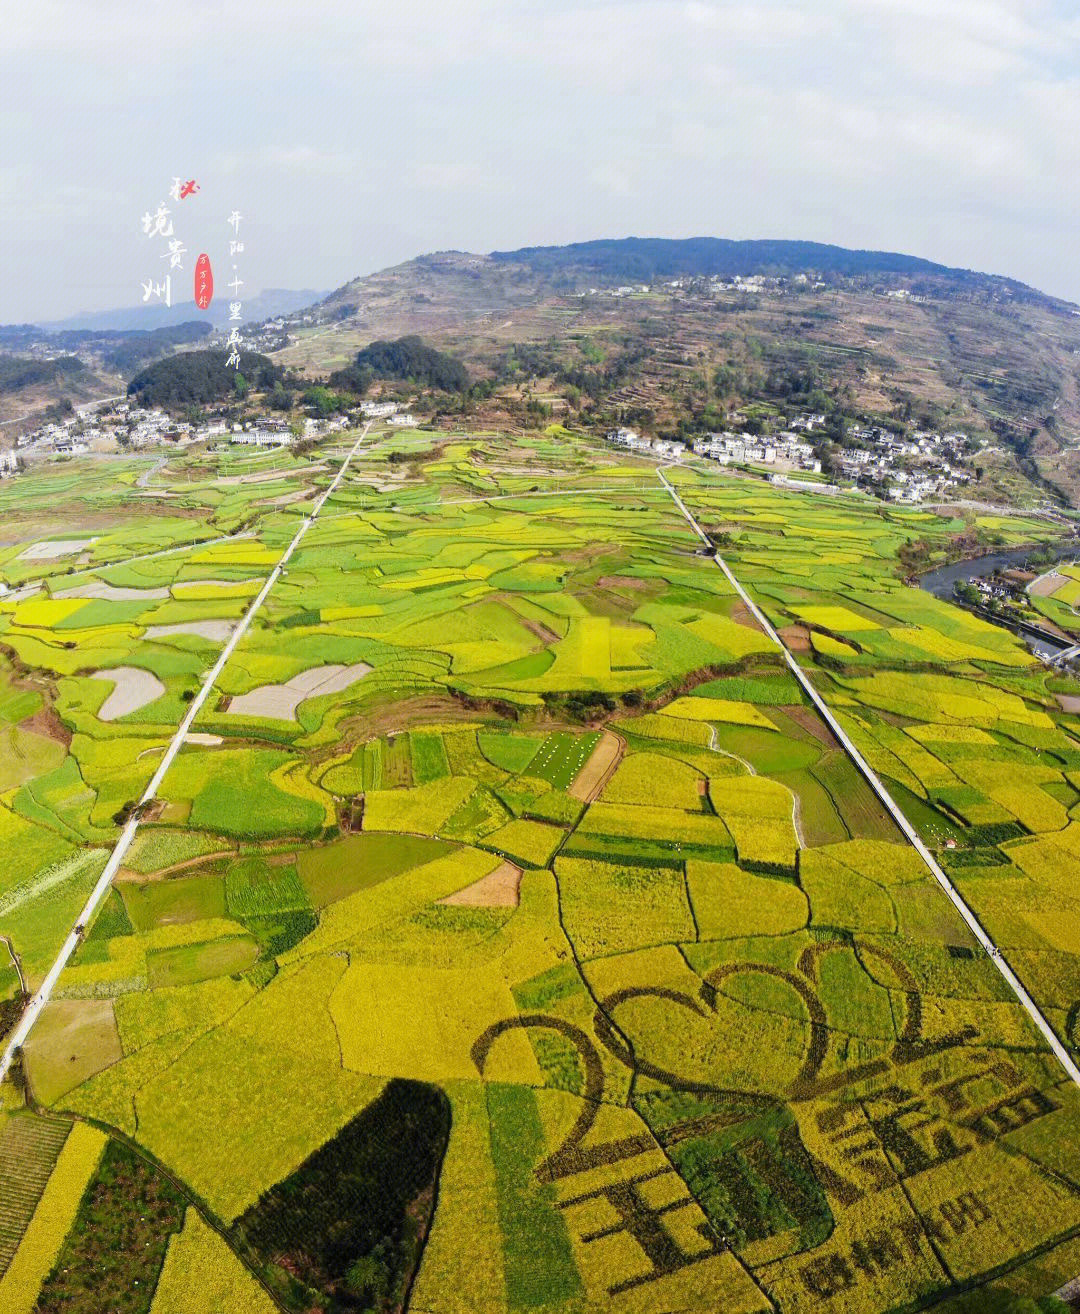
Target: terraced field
x,y
29,1148
540,937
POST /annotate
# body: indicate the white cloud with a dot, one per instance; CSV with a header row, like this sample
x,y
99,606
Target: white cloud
x,y
917,124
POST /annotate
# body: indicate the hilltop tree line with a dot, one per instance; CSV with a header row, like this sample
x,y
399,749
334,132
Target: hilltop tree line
x,y
641,259
409,359
137,346
24,371
197,377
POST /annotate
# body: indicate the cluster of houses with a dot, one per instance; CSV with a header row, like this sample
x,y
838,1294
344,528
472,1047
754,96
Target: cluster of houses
x,y
270,433
711,284
925,465
636,442
918,468
126,425
783,448
122,422
727,448
391,412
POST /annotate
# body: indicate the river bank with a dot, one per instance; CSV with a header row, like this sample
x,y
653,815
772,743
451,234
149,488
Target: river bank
x,y
942,580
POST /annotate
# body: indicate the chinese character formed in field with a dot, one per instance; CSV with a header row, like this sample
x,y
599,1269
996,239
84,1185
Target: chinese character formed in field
x,y
163,291
234,220
234,247
234,309
232,361
159,224
176,250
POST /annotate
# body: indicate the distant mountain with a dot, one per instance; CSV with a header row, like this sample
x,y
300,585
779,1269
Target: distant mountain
x,y
437,290
271,302
641,259
891,335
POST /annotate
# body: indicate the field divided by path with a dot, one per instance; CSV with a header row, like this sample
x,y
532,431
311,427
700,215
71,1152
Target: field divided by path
x,y
578,876
975,926
127,835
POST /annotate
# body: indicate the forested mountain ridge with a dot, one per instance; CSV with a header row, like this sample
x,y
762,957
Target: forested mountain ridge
x,y
647,258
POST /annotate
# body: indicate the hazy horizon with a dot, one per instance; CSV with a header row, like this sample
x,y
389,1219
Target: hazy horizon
x,y
379,135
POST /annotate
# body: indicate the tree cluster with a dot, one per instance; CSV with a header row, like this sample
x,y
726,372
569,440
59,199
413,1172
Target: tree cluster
x,y
24,371
148,344
412,359
193,377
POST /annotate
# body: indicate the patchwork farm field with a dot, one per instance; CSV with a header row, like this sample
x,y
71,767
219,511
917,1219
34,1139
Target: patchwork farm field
x,y
508,931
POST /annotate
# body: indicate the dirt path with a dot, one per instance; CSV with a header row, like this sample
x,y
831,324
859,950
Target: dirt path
x,y
128,875
796,818
714,747
143,480
598,770
17,963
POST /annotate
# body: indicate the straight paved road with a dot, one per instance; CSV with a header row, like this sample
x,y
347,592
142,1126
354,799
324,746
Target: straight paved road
x,y
973,923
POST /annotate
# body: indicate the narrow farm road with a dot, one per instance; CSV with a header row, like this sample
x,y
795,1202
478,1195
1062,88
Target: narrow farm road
x,y
870,776
127,835
143,480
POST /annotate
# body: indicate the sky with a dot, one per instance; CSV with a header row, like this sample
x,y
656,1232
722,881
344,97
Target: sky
x,y
352,135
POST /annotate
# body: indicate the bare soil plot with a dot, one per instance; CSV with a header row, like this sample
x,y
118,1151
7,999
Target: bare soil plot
x,y
111,593
215,630
596,772
500,888
268,476
45,721
286,499
73,1039
809,720
189,584
542,631
50,549
622,582
1070,703
279,702
134,689
796,637
1042,587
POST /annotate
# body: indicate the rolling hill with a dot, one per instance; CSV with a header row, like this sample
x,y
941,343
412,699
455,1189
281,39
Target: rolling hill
x,y
889,336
